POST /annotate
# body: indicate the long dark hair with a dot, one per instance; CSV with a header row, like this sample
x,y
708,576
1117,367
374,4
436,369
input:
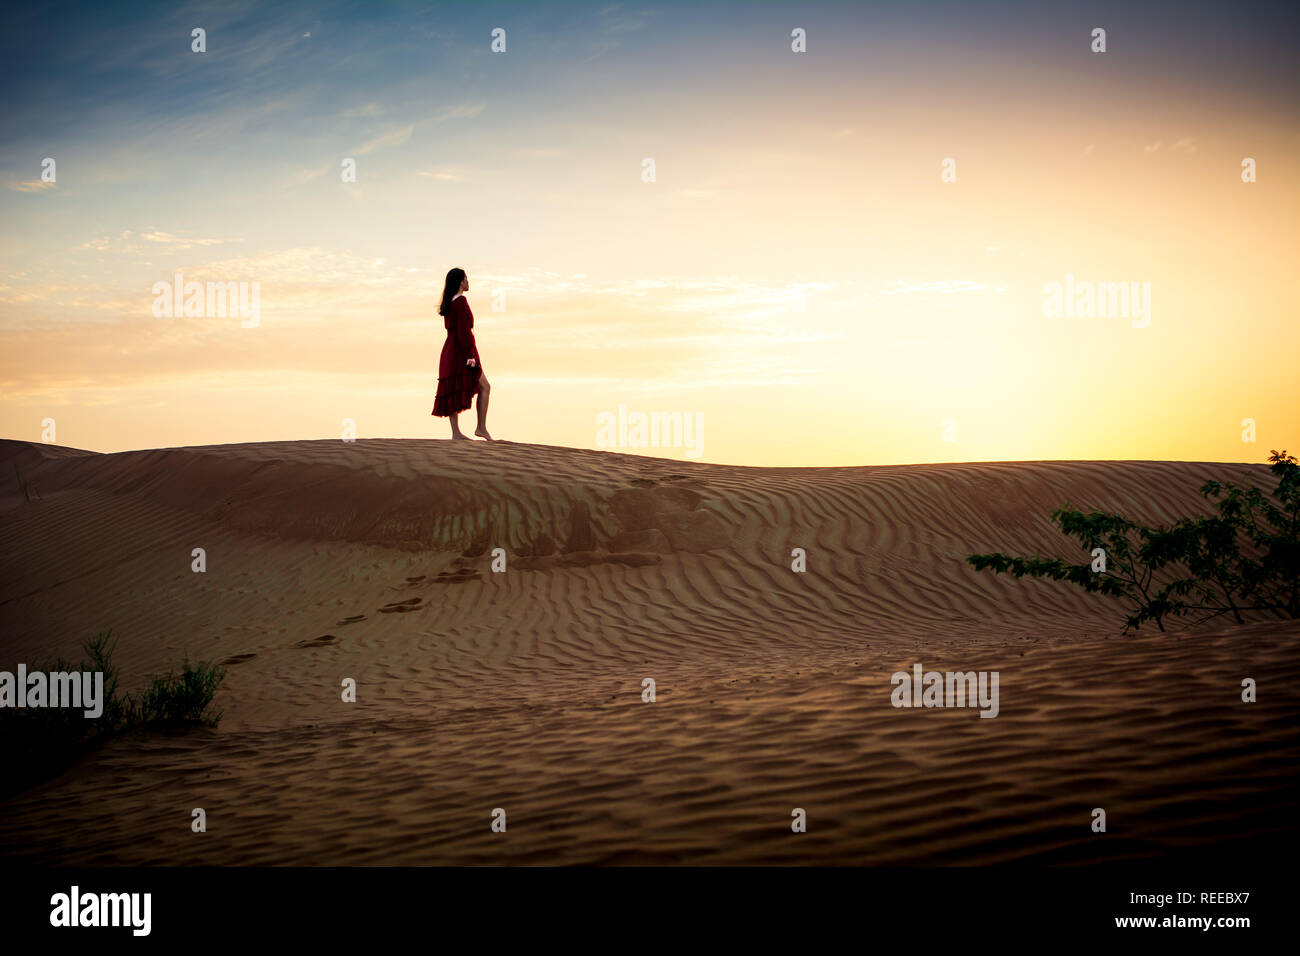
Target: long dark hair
x,y
449,291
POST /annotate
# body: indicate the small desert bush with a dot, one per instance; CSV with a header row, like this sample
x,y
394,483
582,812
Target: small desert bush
x,y
183,699
1242,562
38,742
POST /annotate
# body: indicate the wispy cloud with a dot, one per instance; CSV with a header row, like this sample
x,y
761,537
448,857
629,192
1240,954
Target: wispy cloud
x,y
30,186
396,137
463,111
443,175
299,177
182,242
128,241
399,136
616,19
1185,145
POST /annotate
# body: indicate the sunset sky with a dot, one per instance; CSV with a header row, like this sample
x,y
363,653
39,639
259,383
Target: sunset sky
x,y
798,273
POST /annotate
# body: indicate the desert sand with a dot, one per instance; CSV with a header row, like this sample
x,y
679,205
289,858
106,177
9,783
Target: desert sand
x,y
522,690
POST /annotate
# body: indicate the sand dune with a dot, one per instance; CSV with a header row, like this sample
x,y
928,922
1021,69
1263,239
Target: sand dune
x,y
522,689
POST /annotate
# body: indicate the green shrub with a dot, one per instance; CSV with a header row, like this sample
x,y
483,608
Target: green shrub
x,y
37,743
1243,561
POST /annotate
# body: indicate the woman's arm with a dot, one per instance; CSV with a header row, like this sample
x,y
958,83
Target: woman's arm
x,y
464,328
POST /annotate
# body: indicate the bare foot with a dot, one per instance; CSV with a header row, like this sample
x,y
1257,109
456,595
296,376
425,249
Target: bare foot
x,y
482,432
460,435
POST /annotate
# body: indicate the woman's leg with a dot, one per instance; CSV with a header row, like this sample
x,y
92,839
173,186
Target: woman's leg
x,y
484,390
455,426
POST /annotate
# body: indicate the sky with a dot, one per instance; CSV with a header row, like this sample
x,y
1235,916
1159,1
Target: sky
x,y
843,256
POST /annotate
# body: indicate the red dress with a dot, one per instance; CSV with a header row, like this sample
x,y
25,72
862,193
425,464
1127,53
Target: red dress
x,y
457,381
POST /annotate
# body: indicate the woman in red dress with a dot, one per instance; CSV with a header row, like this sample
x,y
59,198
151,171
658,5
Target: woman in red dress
x,y
460,374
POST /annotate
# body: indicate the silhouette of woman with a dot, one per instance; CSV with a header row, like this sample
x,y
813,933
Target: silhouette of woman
x,y
460,373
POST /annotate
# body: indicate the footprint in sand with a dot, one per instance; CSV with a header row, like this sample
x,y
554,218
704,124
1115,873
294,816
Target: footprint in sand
x,y
458,576
237,659
401,607
318,641
415,580
352,620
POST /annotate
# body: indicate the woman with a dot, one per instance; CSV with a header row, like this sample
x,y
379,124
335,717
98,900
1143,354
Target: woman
x,y
460,375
